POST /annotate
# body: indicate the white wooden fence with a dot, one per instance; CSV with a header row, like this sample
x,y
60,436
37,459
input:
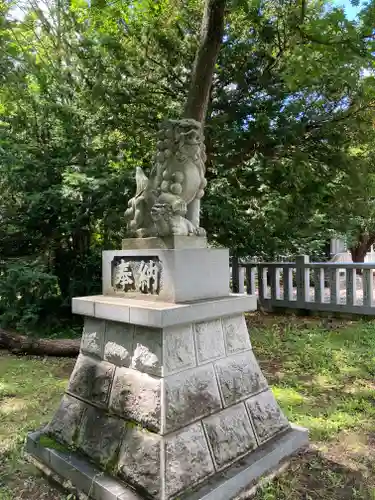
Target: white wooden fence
x,y
318,286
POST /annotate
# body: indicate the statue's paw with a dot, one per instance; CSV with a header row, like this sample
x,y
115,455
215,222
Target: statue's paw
x,y
200,231
180,207
142,232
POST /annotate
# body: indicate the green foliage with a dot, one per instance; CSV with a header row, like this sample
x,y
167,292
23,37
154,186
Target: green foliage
x,y
27,293
288,106
83,88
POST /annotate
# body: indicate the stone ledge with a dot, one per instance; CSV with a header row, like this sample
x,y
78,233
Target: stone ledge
x,y
223,486
173,242
161,314
82,475
230,483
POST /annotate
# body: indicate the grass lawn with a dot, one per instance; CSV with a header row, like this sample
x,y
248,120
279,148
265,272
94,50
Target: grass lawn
x,y
324,379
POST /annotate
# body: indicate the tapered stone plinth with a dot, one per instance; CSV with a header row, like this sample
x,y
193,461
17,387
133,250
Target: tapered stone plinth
x,y
166,399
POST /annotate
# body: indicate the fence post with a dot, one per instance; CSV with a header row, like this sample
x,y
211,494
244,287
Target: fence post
x,y
351,287
275,283
235,275
334,286
367,280
302,280
250,280
241,277
319,285
288,283
262,282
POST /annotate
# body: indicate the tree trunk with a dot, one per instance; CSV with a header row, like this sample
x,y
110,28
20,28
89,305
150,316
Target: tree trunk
x,y
20,344
359,252
364,243
212,32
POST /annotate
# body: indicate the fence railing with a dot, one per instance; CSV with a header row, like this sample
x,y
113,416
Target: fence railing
x,y
319,286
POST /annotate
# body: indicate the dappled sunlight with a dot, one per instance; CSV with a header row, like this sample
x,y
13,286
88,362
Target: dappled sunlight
x,y
30,399
12,405
324,379
288,397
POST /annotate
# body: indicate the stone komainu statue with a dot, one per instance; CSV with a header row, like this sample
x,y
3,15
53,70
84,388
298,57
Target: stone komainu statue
x,y
168,202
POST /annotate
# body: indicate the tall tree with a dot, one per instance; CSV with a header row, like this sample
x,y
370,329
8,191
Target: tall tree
x,y
212,32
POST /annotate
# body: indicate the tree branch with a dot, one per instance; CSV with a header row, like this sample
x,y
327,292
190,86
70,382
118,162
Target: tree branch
x,y
212,33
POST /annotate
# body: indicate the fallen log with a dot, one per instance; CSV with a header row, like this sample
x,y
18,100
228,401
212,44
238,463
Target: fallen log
x,y
21,344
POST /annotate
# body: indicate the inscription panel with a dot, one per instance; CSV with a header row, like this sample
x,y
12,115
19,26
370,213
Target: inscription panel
x,y
136,274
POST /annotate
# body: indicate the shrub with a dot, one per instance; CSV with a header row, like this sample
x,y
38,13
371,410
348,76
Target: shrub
x,y
28,292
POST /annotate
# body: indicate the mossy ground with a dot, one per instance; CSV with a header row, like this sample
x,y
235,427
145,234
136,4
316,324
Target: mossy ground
x,y
30,391
323,374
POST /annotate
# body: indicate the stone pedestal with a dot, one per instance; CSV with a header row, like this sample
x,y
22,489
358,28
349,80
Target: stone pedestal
x,y
166,399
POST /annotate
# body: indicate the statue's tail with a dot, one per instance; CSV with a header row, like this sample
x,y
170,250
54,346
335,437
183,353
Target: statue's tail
x,y
141,180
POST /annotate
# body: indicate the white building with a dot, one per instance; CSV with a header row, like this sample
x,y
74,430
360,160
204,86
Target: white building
x,y
339,245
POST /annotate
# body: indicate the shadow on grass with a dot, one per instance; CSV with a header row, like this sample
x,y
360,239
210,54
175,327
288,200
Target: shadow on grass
x,y
30,391
323,379
312,476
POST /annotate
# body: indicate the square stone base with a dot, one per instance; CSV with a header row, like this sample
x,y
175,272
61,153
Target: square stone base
x,y
166,398
170,275
97,485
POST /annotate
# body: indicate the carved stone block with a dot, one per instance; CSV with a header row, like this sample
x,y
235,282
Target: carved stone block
x,y
118,344
147,354
236,335
174,279
65,423
190,395
267,416
178,349
93,336
230,434
239,376
136,396
91,380
209,340
187,459
137,274
139,460
100,435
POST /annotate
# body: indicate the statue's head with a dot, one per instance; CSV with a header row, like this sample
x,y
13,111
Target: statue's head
x,y
182,139
161,211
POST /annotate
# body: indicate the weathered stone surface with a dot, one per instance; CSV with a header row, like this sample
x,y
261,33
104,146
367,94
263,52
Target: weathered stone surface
x,y
178,349
93,336
236,335
100,435
209,340
66,421
178,182
190,395
136,396
118,345
91,380
267,416
187,459
177,283
230,434
139,460
239,376
147,355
